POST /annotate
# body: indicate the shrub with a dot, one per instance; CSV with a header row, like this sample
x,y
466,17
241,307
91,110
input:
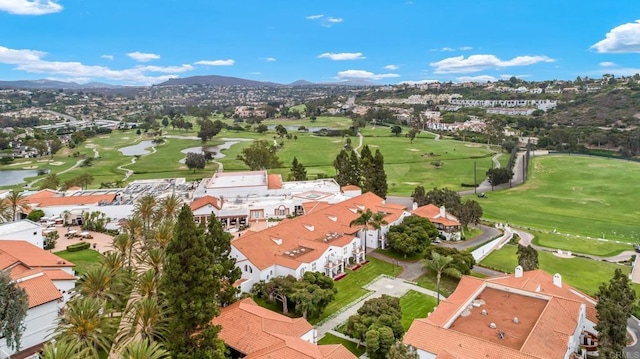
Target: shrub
x,y
77,247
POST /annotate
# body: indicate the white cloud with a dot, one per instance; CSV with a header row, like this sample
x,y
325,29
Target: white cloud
x,y
621,39
30,7
607,64
481,78
465,48
228,62
32,61
622,71
143,56
255,73
392,67
475,63
270,59
444,49
363,75
341,56
107,57
327,21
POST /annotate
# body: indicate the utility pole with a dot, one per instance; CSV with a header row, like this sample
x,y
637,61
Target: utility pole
x,y
475,178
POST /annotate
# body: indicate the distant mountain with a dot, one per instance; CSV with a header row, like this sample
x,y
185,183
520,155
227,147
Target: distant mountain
x,y
216,80
51,84
302,83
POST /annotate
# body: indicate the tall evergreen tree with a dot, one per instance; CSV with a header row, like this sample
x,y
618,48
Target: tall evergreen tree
x,y
354,169
191,282
365,152
615,305
14,304
341,165
368,175
298,171
380,186
527,257
219,243
419,196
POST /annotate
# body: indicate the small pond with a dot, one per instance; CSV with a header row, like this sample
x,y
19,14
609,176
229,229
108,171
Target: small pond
x,y
14,177
215,149
137,150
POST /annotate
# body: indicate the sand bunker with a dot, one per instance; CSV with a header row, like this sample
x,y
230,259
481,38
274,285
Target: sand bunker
x,y
414,150
473,145
57,163
29,167
374,146
90,145
563,254
20,163
411,183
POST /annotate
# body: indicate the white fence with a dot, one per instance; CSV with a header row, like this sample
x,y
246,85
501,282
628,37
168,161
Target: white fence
x,y
480,253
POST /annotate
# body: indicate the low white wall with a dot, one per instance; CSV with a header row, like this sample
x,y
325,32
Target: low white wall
x,y
480,253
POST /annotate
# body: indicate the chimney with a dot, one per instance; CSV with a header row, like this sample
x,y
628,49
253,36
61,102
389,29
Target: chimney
x,y
519,271
557,280
443,212
414,206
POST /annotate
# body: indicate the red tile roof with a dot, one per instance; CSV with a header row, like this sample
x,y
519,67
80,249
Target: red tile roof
x,y
48,198
206,200
59,274
274,181
260,333
432,213
40,290
267,247
29,254
350,187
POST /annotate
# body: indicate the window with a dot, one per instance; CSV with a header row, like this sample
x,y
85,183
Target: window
x,y
313,266
345,251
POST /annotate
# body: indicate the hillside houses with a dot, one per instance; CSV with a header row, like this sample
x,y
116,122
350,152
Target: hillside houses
x,y
321,240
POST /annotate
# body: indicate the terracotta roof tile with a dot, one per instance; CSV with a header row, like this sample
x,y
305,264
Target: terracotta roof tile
x,y
40,290
467,289
206,200
274,181
350,187
267,247
257,332
432,213
59,274
58,200
30,255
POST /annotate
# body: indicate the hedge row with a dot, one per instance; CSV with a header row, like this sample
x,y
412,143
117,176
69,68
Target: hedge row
x,y
77,247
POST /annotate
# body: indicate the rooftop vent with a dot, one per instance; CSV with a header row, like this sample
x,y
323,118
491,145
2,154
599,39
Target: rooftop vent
x,y
516,320
492,325
484,312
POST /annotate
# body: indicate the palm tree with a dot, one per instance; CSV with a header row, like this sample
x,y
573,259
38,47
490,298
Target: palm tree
x,y
85,325
17,202
377,221
97,283
144,349
363,220
63,350
164,233
150,319
152,258
5,211
145,208
441,265
147,284
170,206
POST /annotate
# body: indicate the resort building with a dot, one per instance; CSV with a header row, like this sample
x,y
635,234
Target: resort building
x,y
24,230
321,240
448,225
237,198
253,332
529,315
47,280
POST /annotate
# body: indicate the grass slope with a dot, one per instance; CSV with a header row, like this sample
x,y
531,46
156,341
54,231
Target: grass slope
x,y
588,196
415,305
351,346
82,259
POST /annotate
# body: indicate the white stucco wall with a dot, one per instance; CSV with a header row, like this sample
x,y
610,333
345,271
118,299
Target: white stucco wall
x,y
31,235
39,323
425,355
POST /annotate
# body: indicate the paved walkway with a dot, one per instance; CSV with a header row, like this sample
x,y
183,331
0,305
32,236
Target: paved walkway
x,y
410,270
395,287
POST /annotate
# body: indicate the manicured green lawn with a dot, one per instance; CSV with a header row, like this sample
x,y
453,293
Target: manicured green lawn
x,y
350,287
351,346
583,274
415,305
82,259
598,247
447,285
588,196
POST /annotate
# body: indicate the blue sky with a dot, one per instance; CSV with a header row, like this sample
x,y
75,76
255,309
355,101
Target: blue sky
x,y
137,42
